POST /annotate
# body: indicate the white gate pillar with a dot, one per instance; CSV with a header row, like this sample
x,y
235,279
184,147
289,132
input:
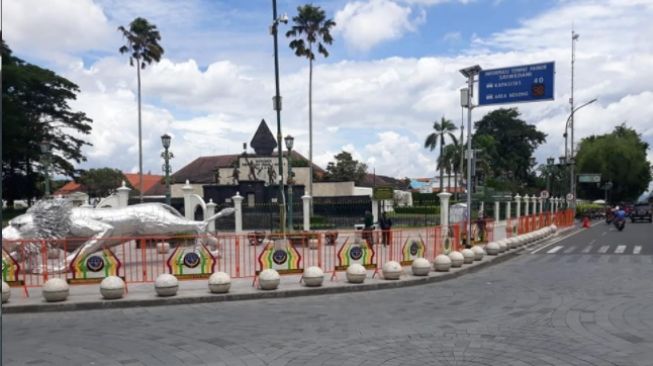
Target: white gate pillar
x,y
123,195
188,208
508,204
238,212
210,211
518,200
444,214
306,200
497,215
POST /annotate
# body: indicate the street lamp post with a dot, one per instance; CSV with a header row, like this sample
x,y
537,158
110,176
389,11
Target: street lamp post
x,y
45,150
289,143
167,155
571,158
277,107
550,163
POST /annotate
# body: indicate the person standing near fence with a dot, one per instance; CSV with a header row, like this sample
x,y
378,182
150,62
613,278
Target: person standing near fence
x,y
386,224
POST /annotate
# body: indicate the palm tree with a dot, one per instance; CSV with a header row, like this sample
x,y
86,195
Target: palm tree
x,y
449,161
442,128
143,47
310,27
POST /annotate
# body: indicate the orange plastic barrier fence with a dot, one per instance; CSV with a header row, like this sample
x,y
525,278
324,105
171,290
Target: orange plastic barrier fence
x,y
29,263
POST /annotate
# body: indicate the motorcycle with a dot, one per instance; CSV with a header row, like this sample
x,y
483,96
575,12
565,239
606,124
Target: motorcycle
x,y
619,223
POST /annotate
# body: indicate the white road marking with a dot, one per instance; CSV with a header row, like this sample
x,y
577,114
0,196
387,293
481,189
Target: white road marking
x,y
554,249
620,249
587,249
638,249
604,249
593,241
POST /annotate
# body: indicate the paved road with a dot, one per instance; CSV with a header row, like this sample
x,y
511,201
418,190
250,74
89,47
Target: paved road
x,y
537,309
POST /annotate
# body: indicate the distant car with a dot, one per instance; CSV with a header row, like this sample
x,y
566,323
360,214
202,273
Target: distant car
x,y
641,211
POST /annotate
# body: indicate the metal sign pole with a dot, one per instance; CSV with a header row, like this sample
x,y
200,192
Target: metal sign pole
x,y
470,86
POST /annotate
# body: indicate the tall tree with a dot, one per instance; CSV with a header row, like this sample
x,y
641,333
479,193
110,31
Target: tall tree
x,y
310,27
620,158
449,161
143,48
345,168
101,182
509,143
35,109
440,130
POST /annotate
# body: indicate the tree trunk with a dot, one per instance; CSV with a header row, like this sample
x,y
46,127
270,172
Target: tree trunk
x,y
310,123
140,137
440,169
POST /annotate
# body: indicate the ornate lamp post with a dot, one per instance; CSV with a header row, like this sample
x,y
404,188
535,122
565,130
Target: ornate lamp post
x,y
289,143
45,150
166,155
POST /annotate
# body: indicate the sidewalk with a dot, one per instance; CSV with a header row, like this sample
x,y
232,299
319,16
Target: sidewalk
x,y
84,297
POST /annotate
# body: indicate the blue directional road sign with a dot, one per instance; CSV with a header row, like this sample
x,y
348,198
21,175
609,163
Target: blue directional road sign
x,y
526,83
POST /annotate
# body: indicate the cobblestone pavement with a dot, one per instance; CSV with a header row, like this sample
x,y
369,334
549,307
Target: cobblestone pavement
x,y
537,309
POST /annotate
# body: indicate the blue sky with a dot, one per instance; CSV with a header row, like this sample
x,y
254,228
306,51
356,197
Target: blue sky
x,y
392,71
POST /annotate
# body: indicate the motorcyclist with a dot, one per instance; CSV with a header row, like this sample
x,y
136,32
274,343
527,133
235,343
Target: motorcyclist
x,y
619,213
619,218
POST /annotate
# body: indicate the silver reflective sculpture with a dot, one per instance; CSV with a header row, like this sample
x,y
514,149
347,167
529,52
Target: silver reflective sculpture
x,y
96,227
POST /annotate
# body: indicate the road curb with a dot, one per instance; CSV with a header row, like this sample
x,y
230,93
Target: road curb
x,y
274,294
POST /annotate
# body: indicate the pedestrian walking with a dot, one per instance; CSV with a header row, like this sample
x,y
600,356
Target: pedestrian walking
x,y
386,226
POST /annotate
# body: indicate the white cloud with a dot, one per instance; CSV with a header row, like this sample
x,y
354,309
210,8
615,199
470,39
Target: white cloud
x,y
56,28
452,37
380,110
366,24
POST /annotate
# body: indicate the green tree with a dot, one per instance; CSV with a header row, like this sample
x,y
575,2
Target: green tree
x,y
310,27
509,144
101,182
449,161
35,109
441,129
620,157
345,169
143,48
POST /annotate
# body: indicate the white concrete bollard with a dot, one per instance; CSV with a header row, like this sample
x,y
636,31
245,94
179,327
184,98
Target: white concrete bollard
x,y
468,256
457,259
479,252
219,283
55,289
166,285
6,292
356,273
313,276
269,279
442,263
391,270
112,287
421,267
492,248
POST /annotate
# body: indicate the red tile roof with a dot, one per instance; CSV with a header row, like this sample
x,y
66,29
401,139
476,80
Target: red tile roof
x,y
152,185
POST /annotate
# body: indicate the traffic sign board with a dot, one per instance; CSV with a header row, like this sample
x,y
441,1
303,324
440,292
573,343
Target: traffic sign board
x,y
589,178
570,197
544,194
382,193
525,83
